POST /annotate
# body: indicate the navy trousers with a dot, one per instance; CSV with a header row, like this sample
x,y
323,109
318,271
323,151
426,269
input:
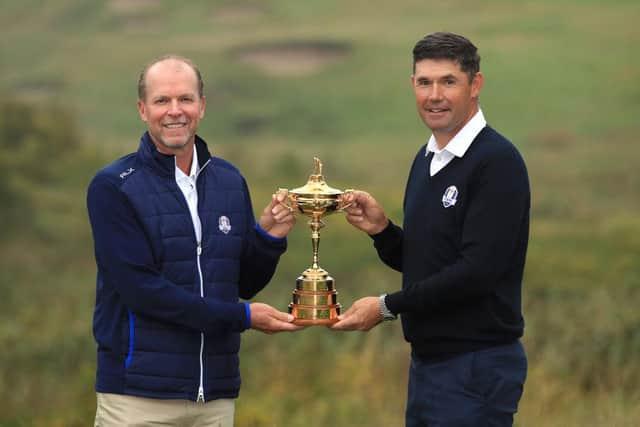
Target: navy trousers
x,y
476,389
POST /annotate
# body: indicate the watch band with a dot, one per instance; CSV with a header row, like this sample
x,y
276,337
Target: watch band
x,y
384,310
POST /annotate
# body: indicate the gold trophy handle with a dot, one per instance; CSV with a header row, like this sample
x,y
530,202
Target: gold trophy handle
x,y
342,206
285,203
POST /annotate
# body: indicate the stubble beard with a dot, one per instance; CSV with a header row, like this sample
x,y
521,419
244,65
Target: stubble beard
x,y
165,144
175,145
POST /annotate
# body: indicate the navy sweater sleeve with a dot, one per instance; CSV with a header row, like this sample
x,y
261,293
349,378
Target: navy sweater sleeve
x,y
388,244
491,238
125,260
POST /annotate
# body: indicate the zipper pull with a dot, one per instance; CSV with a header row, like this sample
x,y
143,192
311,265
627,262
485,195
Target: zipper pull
x,y
199,249
200,395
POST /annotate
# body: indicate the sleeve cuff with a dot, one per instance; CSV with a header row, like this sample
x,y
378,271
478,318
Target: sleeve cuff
x,y
267,235
389,234
247,310
395,302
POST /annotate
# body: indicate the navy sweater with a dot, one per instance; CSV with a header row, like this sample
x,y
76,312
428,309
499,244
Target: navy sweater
x,y
463,263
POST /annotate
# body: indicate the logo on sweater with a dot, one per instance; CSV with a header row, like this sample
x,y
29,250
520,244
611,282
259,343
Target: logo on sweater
x,y
450,196
224,224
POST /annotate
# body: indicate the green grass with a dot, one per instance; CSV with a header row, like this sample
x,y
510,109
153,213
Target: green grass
x,y
561,82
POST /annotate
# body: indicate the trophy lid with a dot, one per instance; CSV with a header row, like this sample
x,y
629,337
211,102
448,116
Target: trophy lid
x,y
316,184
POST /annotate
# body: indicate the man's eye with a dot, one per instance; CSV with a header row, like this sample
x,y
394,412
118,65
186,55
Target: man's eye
x,y
423,83
187,99
160,101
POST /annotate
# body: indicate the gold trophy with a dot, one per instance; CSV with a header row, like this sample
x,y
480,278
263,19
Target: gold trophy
x,y
315,299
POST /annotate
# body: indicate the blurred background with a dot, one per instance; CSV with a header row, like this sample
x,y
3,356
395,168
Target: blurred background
x,y
288,80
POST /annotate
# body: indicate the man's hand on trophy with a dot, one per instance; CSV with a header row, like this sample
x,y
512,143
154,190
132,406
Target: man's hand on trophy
x,y
277,218
267,319
363,315
364,212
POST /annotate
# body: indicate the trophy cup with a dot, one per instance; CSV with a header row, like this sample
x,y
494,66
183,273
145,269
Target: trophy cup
x,y
315,299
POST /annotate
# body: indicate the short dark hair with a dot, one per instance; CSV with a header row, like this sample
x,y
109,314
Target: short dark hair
x,y
142,82
443,45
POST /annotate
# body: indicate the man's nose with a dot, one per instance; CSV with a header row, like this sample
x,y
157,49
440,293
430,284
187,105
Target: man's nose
x,y
174,107
436,92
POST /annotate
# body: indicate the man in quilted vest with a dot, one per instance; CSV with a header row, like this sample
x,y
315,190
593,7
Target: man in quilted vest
x,y
176,247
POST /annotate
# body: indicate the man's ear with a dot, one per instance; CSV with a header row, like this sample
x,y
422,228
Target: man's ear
x,y
203,104
476,85
142,110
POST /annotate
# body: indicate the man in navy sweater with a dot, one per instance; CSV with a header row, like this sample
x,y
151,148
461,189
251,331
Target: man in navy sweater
x,y
176,246
461,251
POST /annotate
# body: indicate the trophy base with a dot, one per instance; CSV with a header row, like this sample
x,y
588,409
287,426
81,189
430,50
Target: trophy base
x,y
315,300
315,280
309,315
317,322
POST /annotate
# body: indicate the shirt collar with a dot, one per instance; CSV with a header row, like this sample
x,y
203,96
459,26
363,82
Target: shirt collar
x,y
195,167
463,139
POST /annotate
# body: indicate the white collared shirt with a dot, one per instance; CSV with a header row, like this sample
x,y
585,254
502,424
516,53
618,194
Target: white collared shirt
x,y
458,144
188,186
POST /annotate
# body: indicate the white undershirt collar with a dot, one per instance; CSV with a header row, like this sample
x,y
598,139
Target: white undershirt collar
x,y
458,144
187,185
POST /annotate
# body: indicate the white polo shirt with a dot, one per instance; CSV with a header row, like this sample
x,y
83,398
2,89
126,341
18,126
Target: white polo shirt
x,y
458,144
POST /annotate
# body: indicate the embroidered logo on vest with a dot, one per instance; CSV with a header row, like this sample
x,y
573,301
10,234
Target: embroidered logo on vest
x,y
126,173
224,224
450,196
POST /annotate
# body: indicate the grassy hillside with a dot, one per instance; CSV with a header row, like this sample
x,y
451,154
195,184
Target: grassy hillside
x,y
288,80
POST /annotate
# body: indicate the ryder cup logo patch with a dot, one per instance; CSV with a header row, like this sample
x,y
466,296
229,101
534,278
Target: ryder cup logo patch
x,y
450,196
224,224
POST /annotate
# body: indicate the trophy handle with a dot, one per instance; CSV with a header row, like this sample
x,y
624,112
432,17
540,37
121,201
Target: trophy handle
x,y
342,206
287,200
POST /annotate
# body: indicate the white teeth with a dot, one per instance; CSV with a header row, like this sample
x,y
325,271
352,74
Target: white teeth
x,y
174,125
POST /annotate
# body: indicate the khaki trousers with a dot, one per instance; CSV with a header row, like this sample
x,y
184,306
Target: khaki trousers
x,y
118,410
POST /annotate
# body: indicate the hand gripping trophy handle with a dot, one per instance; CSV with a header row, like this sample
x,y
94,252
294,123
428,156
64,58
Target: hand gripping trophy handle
x,y
315,298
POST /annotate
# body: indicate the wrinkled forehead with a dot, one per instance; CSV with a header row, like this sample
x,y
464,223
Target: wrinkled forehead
x,y
171,73
437,68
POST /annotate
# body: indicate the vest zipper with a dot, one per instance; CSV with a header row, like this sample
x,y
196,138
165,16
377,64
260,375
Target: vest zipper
x,y
199,252
201,386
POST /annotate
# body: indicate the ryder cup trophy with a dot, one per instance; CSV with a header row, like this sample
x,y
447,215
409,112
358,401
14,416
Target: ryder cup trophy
x,y
315,300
